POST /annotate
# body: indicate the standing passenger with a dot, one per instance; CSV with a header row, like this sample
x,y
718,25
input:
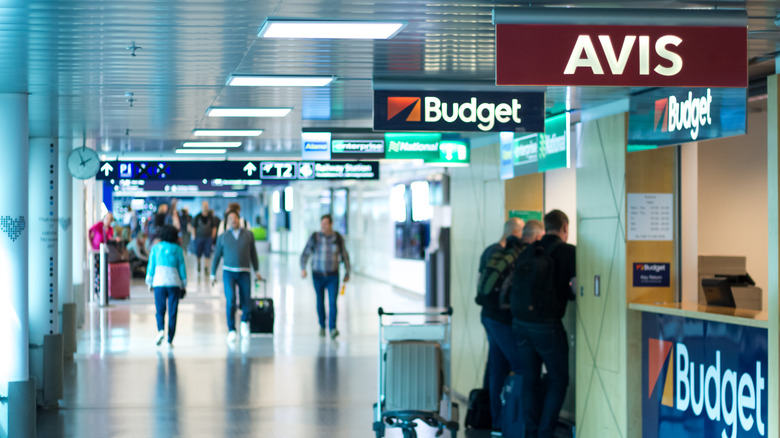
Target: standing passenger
x,y
238,246
540,291
328,249
166,275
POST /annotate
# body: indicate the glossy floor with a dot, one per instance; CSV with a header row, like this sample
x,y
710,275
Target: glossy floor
x,y
294,384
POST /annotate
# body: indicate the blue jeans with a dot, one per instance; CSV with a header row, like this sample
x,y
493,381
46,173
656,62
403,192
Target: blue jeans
x,y
244,281
503,357
331,283
167,296
542,343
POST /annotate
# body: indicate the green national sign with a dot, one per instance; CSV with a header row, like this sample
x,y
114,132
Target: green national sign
x,y
554,143
407,146
452,152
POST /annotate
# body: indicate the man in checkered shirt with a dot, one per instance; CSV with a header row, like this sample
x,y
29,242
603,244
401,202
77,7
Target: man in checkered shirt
x,y
328,250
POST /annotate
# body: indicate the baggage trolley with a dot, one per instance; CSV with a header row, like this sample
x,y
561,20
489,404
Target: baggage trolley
x,y
414,373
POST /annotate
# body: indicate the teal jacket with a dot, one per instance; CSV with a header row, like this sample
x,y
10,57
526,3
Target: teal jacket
x,y
166,266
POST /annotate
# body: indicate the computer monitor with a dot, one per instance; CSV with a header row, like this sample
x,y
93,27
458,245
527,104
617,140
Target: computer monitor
x,y
717,292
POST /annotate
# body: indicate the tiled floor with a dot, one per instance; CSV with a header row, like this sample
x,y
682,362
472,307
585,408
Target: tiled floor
x,y
293,384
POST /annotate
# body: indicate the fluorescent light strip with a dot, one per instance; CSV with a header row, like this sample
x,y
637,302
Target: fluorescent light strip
x,y
278,81
211,144
247,112
372,30
201,151
226,132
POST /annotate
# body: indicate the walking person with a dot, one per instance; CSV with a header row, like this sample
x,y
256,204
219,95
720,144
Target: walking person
x,y
540,292
204,231
166,275
328,251
237,246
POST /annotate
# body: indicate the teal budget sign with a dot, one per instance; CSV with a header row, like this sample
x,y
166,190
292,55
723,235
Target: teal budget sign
x,y
554,143
407,146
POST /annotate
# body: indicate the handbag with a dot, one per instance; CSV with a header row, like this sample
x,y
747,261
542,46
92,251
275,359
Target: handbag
x,y
182,293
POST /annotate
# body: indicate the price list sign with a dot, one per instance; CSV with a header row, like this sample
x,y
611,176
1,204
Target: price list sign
x,y
650,216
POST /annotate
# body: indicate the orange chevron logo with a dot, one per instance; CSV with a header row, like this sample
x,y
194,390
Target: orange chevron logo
x,y
396,105
661,116
658,352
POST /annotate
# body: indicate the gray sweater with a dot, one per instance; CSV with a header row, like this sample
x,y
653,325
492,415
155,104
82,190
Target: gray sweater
x,y
240,254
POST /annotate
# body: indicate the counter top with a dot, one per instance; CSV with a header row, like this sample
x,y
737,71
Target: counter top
x,y
726,315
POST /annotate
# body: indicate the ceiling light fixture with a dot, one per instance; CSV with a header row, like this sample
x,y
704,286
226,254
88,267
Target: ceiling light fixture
x,y
247,112
201,151
226,132
297,29
278,81
211,144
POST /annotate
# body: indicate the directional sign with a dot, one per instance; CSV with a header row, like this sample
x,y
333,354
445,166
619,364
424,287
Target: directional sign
x,y
106,168
250,168
278,170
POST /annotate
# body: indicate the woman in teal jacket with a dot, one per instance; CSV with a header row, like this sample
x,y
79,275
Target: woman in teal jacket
x,y
166,275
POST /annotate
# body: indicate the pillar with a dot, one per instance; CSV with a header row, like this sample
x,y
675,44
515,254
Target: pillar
x,y
773,258
65,295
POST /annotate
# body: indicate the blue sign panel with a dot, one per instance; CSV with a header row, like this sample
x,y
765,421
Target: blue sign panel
x,y
315,145
458,111
667,116
651,274
506,140
703,378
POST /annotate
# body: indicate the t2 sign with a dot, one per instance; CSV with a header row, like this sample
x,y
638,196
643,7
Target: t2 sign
x,y
278,170
620,55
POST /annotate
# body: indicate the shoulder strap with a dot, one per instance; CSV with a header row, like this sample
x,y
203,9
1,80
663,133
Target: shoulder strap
x,y
548,252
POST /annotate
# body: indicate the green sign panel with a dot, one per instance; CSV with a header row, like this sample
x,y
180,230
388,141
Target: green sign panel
x,y
452,152
554,143
525,149
407,146
526,215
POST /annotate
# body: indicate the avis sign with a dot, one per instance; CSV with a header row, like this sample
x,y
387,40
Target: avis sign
x,y
458,111
635,56
703,379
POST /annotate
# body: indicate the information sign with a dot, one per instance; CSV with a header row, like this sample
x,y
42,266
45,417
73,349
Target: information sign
x,y
650,216
357,149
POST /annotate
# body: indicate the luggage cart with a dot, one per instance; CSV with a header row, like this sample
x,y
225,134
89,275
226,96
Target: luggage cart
x,y
414,373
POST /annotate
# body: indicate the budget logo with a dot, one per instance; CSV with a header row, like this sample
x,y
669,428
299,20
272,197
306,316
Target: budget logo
x,y
689,115
407,108
730,398
661,119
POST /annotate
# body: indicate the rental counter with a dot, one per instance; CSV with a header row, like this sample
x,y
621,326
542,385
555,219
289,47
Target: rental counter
x,y
704,370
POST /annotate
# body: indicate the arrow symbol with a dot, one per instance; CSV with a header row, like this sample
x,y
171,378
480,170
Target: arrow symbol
x,y
250,168
107,168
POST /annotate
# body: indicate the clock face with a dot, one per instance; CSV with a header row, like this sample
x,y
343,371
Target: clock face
x,y
83,163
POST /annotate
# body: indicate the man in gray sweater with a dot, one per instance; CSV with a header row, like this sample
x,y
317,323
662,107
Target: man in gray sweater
x,y
237,245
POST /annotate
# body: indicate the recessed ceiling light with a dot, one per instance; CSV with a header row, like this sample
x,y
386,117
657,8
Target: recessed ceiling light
x,y
278,81
201,151
372,30
226,132
211,144
248,112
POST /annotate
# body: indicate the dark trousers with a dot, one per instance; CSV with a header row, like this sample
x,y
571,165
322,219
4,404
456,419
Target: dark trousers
x,y
331,283
503,357
542,343
167,297
242,280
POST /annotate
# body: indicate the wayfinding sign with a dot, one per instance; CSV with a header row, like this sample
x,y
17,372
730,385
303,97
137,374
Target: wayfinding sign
x,y
458,111
357,149
621,55
666,116
238,170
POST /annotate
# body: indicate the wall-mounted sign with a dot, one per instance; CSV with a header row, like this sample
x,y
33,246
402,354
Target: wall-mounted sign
x,y
650,216
452,152
652,274
357,149
526,215
703,378
315,145
554,143
525,154
338,170
458,111
411,145
667,116
176,170
279,170
506,142
620,55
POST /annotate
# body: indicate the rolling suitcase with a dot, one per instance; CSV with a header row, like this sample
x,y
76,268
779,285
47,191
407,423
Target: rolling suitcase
x,y
413,376
512,418
261,320
119,281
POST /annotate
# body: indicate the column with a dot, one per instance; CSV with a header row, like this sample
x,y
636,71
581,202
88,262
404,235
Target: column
x,y
65,296
773,258
13,248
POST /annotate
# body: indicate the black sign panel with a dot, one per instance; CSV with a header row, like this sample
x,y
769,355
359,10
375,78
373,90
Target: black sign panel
x,y
668,116
458,111
237,170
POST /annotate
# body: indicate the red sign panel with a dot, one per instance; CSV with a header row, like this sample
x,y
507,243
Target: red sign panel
x,y
633,56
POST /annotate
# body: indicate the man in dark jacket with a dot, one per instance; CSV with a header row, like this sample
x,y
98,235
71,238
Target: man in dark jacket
x,y
541,338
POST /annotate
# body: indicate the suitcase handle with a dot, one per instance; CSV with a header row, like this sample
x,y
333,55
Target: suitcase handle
x,y
448,311
265,287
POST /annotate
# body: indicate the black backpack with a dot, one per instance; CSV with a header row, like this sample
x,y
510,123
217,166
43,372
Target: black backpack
x,y
495,281
533,297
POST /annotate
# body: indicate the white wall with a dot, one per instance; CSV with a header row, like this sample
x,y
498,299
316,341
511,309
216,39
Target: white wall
x,y
733,212
560,192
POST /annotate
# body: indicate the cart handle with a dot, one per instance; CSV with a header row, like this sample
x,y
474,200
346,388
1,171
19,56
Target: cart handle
x,y
445,312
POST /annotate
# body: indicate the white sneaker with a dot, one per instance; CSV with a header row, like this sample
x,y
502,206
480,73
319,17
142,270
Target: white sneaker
x,y
244,328
231,337
160,336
